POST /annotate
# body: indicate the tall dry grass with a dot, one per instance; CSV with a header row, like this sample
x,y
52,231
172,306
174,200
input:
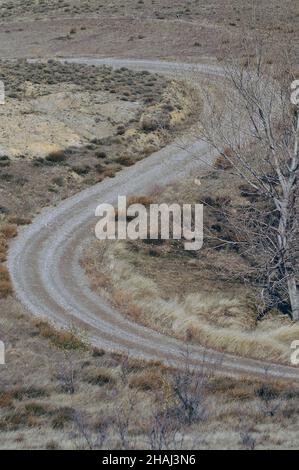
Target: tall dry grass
x,y
220,320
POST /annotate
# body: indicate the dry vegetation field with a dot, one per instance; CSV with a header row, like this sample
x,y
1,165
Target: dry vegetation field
x,y
76,126
174,29
56,392
199,296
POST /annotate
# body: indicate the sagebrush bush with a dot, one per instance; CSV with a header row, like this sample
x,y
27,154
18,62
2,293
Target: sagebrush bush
x,y
57,156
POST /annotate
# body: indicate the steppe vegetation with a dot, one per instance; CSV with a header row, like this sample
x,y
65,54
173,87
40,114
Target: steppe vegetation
x,y
29,180
234,294
79,125
209,303
56,391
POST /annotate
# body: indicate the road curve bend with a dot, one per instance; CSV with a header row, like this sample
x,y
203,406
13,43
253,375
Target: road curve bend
x,y
44,260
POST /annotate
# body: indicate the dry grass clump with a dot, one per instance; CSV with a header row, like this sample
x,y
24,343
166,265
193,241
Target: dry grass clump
x,y
4,275
147,380
8,231
62,417
57,156
63,339
111,171
100,376
52,445
5,284
3,249
35,414
6,399
144,200
222,163
125,160
18,220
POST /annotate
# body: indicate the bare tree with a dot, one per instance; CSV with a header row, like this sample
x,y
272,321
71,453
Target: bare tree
x,y
255,130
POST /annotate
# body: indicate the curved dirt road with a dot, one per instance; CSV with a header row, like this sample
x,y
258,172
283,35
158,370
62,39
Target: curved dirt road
x,y
47,277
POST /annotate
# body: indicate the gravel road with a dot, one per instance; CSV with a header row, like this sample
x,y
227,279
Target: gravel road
x,y
44,258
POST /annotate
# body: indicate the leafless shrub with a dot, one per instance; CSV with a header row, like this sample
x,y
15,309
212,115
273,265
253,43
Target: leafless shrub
x,y
122,422
88,439
66,374
165,433
190,388
248,442
270,402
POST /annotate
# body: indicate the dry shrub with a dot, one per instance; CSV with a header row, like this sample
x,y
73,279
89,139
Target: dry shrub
x,y
9,231
3,249
57,156
100,376
4,275
222,163
31,392
5,289
27,416
125,160
101,154
3,243
52,445
228,152
13,421
17,220
96,352
3,255
110,172
62,416
61,339
270,389
147,380
144,200
36,409
99,167
6,399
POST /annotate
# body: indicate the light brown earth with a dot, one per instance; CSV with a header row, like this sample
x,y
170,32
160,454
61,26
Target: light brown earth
x,y
185,30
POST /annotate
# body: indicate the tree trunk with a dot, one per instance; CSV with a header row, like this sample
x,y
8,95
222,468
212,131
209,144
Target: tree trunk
x,y
286,207
294,297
